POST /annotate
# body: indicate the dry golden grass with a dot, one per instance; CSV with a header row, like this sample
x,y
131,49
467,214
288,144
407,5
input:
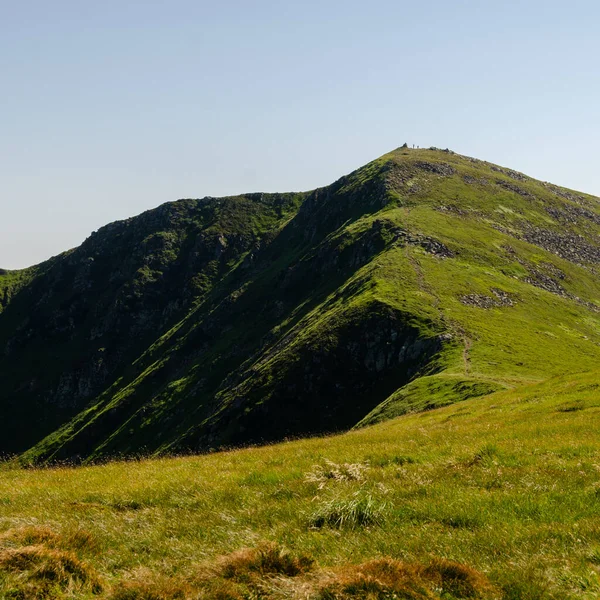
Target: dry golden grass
x,y
266,560
78,539
271,572
41,572
152,587
384,578
39,563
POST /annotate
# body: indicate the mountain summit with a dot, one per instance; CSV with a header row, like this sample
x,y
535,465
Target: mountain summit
x,y
421,279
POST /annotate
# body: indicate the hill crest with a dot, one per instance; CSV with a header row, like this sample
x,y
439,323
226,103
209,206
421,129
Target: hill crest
x,y
421,279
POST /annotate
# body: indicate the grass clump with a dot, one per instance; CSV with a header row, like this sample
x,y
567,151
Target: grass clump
x,y
153,589
385,578
266,560
78,540
456,580
41,572
332,471
37,562
359,510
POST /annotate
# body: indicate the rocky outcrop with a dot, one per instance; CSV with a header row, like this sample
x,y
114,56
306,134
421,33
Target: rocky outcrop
x,y
569,246
499,299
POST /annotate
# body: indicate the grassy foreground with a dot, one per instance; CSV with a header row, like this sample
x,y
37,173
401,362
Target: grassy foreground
x,y
495,497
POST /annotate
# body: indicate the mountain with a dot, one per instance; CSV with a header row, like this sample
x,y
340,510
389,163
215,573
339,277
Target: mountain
x,y
422,279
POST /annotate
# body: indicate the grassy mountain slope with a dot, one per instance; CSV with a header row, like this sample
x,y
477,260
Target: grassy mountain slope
x,y
507,485
422,279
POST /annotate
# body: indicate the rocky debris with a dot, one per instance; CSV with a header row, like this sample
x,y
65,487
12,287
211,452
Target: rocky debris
x,y
433,246
567,194
452,208
398,236
510,173
402,178
545,282
507,185
570,246
443,169
504,298
572,215
475,180
446,150
500,299
553,270
589,305
545,275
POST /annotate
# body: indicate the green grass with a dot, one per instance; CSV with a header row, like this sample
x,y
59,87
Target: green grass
x,y
11,282
508,484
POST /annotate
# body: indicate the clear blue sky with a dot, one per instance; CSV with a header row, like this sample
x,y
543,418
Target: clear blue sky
x,y
110,108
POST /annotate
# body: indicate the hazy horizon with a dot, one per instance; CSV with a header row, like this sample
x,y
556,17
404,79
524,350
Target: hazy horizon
x,y
110,110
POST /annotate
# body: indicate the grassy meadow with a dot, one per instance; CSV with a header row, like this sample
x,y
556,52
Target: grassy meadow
x,y
493,497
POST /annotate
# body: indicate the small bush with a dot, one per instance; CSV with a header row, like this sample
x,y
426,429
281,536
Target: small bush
x,y
360,510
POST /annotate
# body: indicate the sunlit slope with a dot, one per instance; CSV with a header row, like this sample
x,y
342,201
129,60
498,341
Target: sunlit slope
x,y
422,279
507,484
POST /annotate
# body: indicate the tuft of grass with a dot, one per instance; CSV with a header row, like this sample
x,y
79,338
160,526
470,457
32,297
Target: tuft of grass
x,y
78,540
458,580
37,562
359,510
486,456
332,471
41,572
594,556
266,560
384,579
152,588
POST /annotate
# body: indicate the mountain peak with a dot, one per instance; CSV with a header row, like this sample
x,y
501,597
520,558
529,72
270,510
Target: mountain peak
x,y
423,278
